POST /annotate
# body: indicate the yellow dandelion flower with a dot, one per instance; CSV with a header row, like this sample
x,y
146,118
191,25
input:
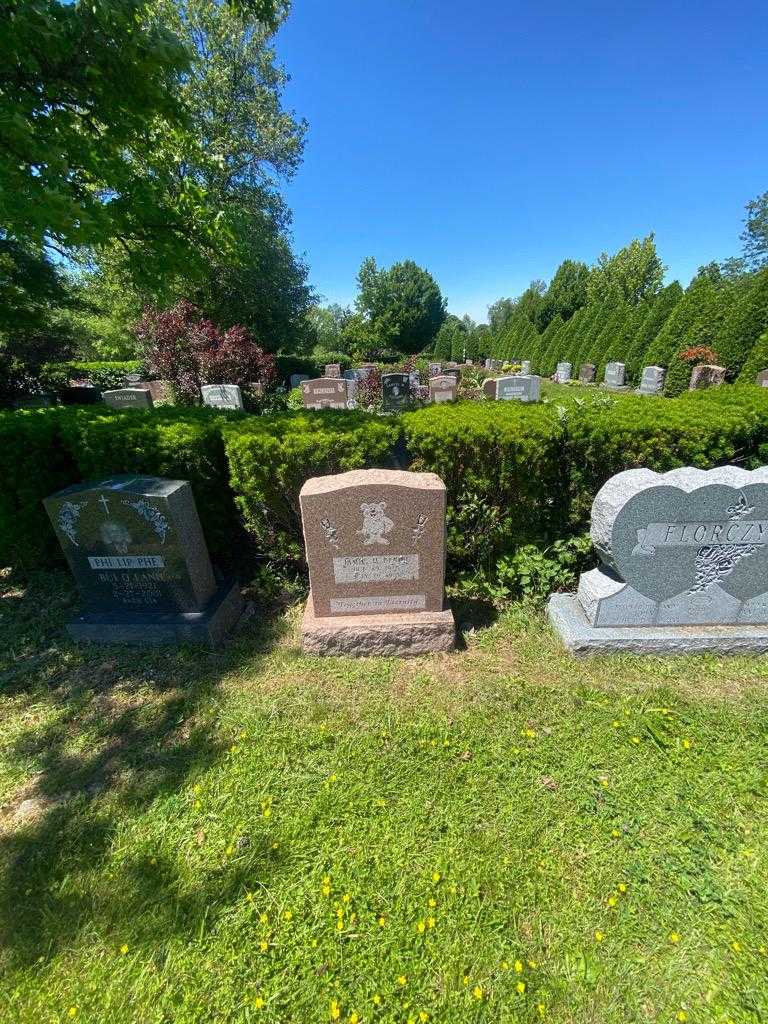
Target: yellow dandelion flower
x,y
604,783
230,850
249,897
326,890
599,936
335,1010
258,1002
518,966
615,833
346,898
124,948
532,964
432,902
263,945
436,876
477,992
339,926
263,918
612,901
762,949
520,986
686,744
681,1016
376,999
421,927
635,739
616,723
622,887
354,1018
382,921
423,1016
72,1011
402,980
674,937
267,812
505,965
198,805
465,979
288,915
736,947
431,922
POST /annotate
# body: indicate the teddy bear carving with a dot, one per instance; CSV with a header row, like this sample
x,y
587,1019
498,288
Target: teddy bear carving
x,y
375,523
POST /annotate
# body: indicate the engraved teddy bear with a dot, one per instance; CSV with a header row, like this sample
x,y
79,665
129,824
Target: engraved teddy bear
x,y
375,523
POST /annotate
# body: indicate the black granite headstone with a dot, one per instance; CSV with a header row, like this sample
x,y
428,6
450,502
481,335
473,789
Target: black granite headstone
x,y
395,391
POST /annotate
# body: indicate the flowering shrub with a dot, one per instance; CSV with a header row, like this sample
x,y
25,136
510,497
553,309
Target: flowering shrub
x,y
679,372
699,354
184,348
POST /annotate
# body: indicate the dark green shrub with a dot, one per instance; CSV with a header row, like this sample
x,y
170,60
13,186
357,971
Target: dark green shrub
x,y
287,365
502,464
181,444
270,458
102,375
33,465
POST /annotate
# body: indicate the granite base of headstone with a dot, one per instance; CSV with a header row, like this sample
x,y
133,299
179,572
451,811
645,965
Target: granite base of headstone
x,y
137,551
706,376
587,373
652,380
518,388
375,547
222,396
563,373
684,566
128,398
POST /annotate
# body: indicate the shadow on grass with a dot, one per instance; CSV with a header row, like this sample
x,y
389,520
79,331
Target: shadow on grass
x,y
119,728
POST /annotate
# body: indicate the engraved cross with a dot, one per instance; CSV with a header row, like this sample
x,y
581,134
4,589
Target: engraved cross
x,y
105,502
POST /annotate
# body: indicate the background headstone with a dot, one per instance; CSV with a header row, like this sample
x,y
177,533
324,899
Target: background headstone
x,y
615,375
496,365
365,370
325,393
652,381
79,394
518,388
706,376
296,379
137,551
435,369
487,364
332,370
395,391
525,367
587,373
489,387
442,389
762,379
222,396
128,398
563,373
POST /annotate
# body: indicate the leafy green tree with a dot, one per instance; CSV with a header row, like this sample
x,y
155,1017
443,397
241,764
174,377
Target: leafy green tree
x,y
634,272
566,293
747,321
756,361
697,320
499,314
326,326
656,315
755,234
403,304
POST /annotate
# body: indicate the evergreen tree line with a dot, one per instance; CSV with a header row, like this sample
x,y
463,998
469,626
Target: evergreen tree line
x,y
619,310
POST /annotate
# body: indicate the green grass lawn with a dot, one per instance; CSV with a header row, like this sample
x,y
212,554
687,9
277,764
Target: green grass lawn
x,y
502,834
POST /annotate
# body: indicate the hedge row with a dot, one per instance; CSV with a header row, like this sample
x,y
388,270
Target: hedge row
x,y
515,474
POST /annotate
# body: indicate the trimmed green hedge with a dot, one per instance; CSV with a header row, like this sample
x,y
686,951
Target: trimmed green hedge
x,y
515,474
504,473
103,375
270,458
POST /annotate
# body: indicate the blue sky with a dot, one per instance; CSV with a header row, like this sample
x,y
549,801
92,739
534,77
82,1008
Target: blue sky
x,y
489,141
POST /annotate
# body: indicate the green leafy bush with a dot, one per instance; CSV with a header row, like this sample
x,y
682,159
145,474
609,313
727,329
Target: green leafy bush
x,y
503,469
270,458
104,375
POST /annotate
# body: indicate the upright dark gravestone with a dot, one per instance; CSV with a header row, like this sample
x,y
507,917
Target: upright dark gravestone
x,y
587,373
706,376
138,554
375,547
489,388
128,398
395,391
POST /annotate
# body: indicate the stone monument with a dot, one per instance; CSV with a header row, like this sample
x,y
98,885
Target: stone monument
x,y
706,376
587,373
525,367
435,369
325,393
138,554
684,565
489,388
442,389
615,378
395,391
332,370
563,373
652,381
375,546
128,398
518,388
222,396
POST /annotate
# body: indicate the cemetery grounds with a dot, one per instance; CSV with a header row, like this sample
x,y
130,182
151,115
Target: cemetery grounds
x,y
500,834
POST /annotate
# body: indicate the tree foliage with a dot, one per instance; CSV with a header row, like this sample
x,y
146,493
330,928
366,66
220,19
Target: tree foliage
x,y
403,304
755,233
566,293
635,272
